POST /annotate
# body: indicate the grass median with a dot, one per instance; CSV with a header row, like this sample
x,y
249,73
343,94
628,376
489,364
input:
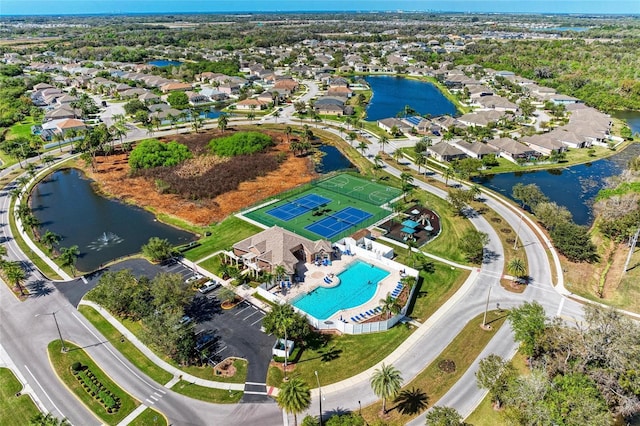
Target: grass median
x,y
438,377
125,347
216,396
14,410
62,363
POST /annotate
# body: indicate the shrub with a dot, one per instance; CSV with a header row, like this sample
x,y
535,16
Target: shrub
x,y
240,143
76,366
152,153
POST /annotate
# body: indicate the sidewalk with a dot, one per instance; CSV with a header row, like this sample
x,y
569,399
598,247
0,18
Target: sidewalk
x,y
157,360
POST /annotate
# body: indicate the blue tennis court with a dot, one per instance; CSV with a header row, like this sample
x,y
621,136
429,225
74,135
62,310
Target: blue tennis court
x,y
338,222
295,208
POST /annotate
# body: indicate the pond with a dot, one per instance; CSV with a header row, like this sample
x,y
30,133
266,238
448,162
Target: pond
x,y
103,229
632,118
332,160
573,187
392,94
164,63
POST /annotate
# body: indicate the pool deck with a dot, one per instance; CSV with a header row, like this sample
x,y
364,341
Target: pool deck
x,y
314,278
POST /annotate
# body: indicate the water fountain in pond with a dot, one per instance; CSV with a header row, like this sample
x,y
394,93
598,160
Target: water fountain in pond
x,y
107,239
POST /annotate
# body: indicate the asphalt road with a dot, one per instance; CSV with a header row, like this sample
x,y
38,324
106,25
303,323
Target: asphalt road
x,y
17,319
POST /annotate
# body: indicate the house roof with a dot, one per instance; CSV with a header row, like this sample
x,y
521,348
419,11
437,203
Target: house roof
x,y
70,123
176,86
478,148
543,141
276,246
510,146
444,149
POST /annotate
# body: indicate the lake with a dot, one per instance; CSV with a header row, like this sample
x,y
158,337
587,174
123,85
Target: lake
x,y
103,229
164,63
391,94
573,187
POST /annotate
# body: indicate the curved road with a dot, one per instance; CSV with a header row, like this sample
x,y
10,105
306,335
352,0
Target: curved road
x,y
18,319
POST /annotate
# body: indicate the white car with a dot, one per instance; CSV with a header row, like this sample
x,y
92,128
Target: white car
x,y
209,286
194,277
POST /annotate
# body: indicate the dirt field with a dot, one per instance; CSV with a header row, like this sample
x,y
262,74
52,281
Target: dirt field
x,y
112,177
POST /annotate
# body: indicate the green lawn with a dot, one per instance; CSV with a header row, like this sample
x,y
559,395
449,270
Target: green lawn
x,y
485,415
216,396
14,410
21,129
125,347
342,191
37,261
62,362
340,357
223,236
149,417
432,383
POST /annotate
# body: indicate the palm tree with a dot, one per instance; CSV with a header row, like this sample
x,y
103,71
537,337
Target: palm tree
x,y
421,159
279,271
276,114
383,141
48,160
377,162
407,183
362,147
23,210
447,174
50,239
351,136
30,221
386,383
389,305
294,397
222,123
251,116
15,274
475,191
287,131
516,267
397,155
69,256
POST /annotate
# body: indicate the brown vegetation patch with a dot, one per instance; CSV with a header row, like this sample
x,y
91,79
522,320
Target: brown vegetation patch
x,y
112,177
512,286
447,365
225,368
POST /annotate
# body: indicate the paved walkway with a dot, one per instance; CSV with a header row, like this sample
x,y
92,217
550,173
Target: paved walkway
x,y
177,373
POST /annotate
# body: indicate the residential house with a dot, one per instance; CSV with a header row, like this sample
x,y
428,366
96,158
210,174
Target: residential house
x,y
475,149
229,88
544,144
559,99
176,86
445,152
252,104
387,124
285,87
197,98
480,118
497,103
569,138
511,149
149,98
340,92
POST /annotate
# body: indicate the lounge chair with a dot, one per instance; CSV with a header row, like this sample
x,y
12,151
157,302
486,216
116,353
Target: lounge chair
x,y
370,312
353,319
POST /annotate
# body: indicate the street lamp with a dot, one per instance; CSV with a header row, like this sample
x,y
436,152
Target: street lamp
x,y
53,314
515,244
319,396
484,319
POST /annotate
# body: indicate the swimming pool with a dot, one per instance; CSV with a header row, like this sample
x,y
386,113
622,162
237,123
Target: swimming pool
x,y
358,284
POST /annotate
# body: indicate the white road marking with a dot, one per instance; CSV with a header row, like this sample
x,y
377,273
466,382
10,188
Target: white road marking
x,y
43,391
149,401
250,315
560,307
255,322
220,350
114,355
237,313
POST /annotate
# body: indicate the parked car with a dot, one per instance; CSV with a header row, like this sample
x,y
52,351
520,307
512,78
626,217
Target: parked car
x,y
194,277
209,286
185,320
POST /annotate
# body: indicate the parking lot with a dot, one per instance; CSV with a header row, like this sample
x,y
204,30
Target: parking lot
x,y
226,333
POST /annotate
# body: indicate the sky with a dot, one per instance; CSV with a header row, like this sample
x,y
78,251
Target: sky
x,y
65,7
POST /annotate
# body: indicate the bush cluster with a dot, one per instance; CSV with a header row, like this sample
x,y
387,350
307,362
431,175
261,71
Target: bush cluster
x,y
223,177
151,153
241,143
92,385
